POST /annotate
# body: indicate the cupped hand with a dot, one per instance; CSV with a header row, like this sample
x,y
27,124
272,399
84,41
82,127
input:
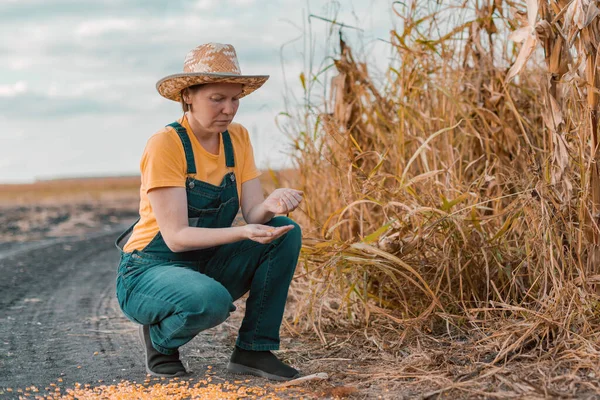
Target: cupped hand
x,y
283,201
265,234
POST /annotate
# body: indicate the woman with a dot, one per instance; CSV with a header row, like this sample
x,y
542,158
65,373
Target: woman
x,y
183,264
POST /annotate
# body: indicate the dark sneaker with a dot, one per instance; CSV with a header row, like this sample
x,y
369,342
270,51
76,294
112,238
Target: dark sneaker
x,y
260,363
159,364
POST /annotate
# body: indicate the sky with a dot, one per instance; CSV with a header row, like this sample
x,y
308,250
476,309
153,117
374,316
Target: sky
x,y
77,77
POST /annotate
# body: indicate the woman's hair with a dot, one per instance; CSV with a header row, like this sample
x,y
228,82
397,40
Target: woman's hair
x,y
191,89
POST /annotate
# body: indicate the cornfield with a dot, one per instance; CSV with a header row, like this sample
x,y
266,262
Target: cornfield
x,y
458,199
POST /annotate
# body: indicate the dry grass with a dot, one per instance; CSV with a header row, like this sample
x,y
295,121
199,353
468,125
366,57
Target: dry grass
x,y
66,207
124,188
70,190
457,202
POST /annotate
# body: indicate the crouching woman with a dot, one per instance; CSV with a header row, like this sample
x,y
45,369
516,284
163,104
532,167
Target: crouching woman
x,y
182,263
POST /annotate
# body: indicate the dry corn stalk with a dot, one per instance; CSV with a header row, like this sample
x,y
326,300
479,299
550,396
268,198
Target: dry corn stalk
x,y
570,36
459,187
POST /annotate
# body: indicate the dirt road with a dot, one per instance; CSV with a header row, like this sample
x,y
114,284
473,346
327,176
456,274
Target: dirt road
x,y
59,318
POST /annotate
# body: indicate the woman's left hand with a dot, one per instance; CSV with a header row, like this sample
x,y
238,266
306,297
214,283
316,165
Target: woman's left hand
x,y
283,201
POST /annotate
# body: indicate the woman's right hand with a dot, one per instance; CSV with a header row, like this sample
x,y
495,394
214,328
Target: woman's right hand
x,y
265,234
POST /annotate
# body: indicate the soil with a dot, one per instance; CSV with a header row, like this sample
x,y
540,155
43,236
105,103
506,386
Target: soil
x,y
60,323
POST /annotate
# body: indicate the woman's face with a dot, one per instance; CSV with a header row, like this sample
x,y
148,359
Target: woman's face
x,y
214,105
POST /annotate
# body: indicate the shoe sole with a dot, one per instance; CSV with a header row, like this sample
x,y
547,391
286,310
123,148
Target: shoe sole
x,y
244,370
148,370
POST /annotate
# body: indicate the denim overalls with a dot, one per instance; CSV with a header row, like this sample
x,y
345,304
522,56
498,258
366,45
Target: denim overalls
x,y
182,294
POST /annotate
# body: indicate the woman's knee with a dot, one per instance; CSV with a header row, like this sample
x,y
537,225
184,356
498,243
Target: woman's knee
x,y
210,308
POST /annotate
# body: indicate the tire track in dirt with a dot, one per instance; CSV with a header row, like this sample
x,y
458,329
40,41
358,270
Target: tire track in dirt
x,y
59,317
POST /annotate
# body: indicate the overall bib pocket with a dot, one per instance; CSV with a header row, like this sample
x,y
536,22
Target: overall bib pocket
x,y
211,217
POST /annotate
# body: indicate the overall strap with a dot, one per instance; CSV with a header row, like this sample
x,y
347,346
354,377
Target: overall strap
x,y
229,159
187,147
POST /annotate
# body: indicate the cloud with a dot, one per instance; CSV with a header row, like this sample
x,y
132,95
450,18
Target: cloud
x,y
99,27
42,10
204,5
19,63
12,90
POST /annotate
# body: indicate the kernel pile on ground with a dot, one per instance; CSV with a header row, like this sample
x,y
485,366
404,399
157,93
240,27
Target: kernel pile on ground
x,y
154,389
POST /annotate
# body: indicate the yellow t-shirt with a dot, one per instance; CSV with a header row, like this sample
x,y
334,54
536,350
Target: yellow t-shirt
x,y
163,164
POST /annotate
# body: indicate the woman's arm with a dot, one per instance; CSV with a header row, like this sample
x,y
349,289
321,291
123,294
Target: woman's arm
x,y
252,203
169,205
170,208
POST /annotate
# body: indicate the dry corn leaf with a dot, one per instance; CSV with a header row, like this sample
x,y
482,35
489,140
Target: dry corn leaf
x,y
575,15
319,376
526,35
524,55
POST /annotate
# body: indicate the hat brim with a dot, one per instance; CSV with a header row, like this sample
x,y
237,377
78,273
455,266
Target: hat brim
x,y
171,86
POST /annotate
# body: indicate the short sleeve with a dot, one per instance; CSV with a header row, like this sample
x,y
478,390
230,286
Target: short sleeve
x,y
163,163
249,170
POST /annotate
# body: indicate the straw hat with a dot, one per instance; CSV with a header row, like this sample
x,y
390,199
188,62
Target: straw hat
x,y
209,63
